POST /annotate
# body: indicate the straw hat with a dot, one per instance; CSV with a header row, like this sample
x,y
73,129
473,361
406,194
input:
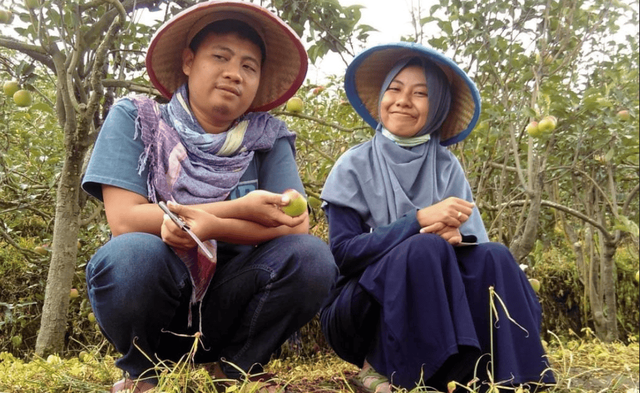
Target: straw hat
x,y
367,72
283,71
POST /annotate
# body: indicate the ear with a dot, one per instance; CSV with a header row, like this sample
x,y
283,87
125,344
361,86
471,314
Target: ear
x,y
187,60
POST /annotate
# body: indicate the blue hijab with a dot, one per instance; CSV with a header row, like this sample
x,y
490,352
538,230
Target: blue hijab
x,y
385,178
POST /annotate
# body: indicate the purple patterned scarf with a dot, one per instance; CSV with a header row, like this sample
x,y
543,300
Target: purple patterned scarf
x,y
190,166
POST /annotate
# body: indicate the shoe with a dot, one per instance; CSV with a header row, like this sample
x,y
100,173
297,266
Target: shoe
x,y
369,380
128,385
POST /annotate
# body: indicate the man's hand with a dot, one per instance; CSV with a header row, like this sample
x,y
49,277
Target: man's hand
x,y
451,212
263,207
199,221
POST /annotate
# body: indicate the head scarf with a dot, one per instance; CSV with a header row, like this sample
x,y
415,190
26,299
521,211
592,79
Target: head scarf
x,y
383,180
190,166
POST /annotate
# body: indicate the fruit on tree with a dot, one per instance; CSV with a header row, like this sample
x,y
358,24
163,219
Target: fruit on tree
x,y
295,105
32,4
535,284
10,88
22,98
533,129
623,115
547,124
5,17
318,90
297,204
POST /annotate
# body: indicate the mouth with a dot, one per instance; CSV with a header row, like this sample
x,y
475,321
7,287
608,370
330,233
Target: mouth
x,y
230,89
402,114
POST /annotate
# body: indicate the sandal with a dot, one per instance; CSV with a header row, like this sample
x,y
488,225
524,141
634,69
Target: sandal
x,y
361,380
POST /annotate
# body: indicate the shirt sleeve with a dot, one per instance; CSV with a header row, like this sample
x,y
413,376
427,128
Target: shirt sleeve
x,y
278,169
116,154
355,246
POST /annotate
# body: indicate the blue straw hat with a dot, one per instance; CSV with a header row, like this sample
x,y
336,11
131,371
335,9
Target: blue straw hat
x,y
367,72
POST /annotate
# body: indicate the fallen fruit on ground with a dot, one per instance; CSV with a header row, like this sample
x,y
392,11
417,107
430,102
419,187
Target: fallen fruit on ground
x,y
297,204
91,317
73,293
535,284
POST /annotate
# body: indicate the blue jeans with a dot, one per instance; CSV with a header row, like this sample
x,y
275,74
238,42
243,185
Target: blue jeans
x,y
140,291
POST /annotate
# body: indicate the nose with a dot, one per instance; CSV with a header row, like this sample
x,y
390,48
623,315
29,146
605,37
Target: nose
x,y
232,72
404,99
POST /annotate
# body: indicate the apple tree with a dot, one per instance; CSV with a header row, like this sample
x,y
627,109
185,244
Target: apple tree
x,y
92,51
571,60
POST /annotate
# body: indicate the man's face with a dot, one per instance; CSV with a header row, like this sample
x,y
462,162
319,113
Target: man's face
x,y
224,75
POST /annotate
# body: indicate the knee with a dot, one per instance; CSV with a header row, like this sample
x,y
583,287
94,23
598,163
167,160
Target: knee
x,y
496,253
133,263
311,266
428,247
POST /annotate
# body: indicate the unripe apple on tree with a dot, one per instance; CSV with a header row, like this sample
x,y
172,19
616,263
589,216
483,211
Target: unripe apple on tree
x,y
10,88
295,105
623,115
32,4
5,16
22,98
547,124
533,129
297,204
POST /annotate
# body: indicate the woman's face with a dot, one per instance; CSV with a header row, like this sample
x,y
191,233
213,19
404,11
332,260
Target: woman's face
x,y
405,103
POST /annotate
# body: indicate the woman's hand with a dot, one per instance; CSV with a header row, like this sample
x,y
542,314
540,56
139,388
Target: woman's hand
x,y
198,221
451,212
448,233
263,207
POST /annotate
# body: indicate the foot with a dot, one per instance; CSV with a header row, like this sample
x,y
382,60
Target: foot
x,y
128,385
371,381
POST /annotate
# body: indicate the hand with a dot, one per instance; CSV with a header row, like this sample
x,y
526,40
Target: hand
x,y
450,234
198,221
451,212
263,207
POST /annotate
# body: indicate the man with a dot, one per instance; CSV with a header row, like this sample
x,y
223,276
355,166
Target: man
x,y
222,163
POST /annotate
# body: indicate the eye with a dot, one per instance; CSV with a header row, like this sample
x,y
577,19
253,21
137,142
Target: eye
x,y
250,68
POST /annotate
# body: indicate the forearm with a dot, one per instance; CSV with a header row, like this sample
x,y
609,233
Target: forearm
x,y
237,231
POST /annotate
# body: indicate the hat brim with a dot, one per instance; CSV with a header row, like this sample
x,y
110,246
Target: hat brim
x,y
283,70
367,71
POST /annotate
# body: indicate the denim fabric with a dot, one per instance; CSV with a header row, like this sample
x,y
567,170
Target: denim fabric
x,y
140,290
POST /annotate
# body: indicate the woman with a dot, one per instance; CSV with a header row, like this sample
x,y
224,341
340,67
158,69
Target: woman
x,y
259,276
412,305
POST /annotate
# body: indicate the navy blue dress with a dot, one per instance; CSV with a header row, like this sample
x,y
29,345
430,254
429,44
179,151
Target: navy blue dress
x,y
418,308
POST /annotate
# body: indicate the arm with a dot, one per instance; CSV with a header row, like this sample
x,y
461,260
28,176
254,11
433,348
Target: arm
x,y
354,246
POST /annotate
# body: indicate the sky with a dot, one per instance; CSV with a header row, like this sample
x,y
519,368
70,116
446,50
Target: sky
x,y
391,18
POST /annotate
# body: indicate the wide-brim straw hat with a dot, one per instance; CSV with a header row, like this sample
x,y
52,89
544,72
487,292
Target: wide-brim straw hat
x,y
283,70
367,71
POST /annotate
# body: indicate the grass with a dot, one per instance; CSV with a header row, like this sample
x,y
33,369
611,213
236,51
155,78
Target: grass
x,y
580,365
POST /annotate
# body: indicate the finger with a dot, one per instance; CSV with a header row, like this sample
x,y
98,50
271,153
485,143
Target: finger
x,y
433,228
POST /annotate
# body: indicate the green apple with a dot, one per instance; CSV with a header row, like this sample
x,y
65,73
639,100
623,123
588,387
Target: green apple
x,y
451,386
73,293
547,124
535,284
297,204
5,17
623,115
10,88
295,105
40,250
22,98
533,129
91,317
637,276
32,4
314,202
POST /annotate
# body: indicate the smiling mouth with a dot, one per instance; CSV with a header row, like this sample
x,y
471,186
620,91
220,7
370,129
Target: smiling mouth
x,y
402,114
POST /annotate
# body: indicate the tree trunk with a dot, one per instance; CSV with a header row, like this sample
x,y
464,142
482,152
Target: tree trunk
x,y
523,244
65,249
608,287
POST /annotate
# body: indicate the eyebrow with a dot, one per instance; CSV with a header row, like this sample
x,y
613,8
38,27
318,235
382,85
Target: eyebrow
x,y
402,83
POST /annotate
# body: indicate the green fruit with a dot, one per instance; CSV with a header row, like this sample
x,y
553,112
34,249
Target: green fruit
x,y
297,204
547,124
91,317
533,129
623,115
314,202
84,356
54,359
73,293
637,276
22,98
295,105
10,88
535,284
451,386
40,250
16,341
5,17
32,4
